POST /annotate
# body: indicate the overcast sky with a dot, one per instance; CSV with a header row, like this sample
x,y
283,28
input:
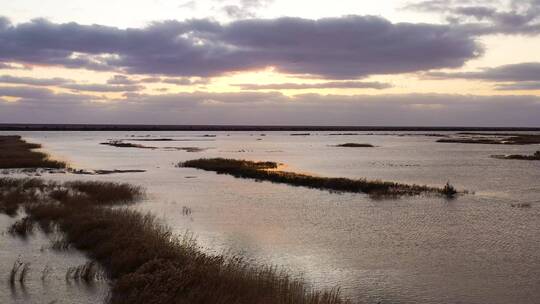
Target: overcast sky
x,y
287,62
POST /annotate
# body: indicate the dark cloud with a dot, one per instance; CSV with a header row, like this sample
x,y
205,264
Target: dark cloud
x,y
102,87
487,17
41,96
340,48
150,79
121,79
320,85
527,71
33,81
25,92
39,105
184,81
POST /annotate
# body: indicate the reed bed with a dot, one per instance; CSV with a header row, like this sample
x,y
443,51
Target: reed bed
x,y
259,171
144,260
17,153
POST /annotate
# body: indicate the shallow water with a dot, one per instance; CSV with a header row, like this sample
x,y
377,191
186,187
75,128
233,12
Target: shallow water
x,y
474,249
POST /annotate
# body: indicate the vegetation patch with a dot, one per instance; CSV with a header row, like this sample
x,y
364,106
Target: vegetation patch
x,y
343,134
493,138
122,144
187,149
142,258
535,156
17,153
151,139
260,171
355,145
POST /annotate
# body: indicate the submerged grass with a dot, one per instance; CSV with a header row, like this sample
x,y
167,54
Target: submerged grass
x,y
535,156
146,262
17,153
258,171
493,138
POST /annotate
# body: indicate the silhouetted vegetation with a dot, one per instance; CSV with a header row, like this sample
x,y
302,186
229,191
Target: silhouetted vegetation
x,y
19,272
535,156
521,205
103,172
355,145
22,227
343,134
259,171
106,193
449,190
187,149
122,144
493,139
146,262
17,153
151,139
87,272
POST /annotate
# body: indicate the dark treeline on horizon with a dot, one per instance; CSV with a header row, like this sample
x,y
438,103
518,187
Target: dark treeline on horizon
x,y
127,127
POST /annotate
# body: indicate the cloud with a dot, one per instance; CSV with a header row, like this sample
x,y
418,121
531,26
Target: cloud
x,y
24,92
34,81
527,71
43,97
190,5
102,87
520,86
39,105
486,17
245,8
118,83
121,79
320,85
184,81
9,66
339,48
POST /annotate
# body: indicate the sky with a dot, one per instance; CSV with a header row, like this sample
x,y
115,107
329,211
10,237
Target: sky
x,y
271,62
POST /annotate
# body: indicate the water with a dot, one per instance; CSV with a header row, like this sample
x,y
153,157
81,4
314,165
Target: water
x,y
474,249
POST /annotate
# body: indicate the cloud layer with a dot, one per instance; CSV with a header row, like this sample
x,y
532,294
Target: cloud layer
x,y
320,85
487,16
40,105
526,71
340,48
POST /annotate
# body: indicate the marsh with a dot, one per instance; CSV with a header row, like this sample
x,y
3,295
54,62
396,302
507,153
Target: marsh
x,y
418,249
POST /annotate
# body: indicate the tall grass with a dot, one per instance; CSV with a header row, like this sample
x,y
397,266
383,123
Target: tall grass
x,y
257,171
17,153
146,262
19,272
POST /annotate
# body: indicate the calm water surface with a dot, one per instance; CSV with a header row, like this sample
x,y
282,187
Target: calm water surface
x,y
474,249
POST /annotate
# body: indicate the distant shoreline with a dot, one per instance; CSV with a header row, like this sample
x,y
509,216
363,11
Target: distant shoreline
x,y
126,127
